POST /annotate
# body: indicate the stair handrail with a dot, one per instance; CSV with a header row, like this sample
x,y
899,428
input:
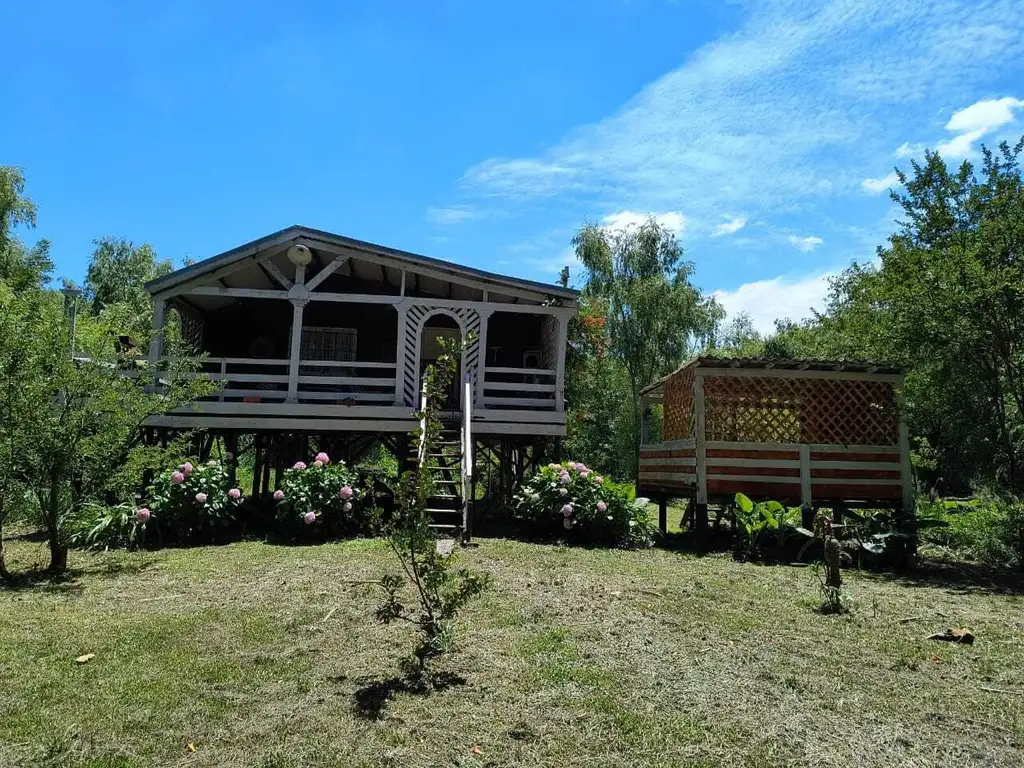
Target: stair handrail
x,y
421,455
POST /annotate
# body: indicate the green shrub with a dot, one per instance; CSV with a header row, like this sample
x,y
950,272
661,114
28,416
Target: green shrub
x,y
989,531
98,526
191,502
766,530
583,506
323,494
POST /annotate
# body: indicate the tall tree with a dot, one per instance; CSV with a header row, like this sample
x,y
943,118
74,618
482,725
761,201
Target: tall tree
x,y
655,317
115,283
21,267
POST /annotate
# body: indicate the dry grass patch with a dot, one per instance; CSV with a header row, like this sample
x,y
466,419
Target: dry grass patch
x,y
261,655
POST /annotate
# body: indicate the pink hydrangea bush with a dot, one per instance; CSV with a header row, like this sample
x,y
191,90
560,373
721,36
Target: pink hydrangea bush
x,y
575,502
323,494
193,501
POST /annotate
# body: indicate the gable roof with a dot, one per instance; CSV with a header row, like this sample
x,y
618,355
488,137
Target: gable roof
x,y
783,364
295,232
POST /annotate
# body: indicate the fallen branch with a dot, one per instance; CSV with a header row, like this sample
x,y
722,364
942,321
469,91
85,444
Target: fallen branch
x,y
1001,690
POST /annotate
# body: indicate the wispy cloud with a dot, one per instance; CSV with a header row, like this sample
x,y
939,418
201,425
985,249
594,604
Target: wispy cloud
x,y
674,221
794,106
805,244
976,121
781,298
906,149
733,225
551,266
455,214
877,186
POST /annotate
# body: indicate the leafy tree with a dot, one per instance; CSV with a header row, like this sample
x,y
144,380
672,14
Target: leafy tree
x,y
114,283
739,339
20,267
654,316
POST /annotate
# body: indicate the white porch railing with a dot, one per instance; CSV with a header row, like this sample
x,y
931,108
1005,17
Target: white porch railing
x,y
532,388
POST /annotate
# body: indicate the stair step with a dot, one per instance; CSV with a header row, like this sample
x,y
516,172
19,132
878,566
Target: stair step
x,y
444,526
444,511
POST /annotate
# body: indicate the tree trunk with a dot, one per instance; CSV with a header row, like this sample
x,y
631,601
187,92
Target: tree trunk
x,y
58,556
58,552
5,575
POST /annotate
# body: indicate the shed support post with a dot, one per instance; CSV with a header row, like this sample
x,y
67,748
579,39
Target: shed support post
x,y
663,514
907,481
701,506
805,475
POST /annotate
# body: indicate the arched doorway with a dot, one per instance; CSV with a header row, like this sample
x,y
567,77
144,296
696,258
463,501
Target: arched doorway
x,y
438,329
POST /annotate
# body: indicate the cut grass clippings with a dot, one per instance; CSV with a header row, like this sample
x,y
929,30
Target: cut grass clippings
x,y
261,655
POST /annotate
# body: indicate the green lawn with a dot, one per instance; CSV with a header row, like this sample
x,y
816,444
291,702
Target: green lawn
x,y
261,655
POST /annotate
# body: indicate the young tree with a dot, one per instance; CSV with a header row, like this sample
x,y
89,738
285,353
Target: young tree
x,y
655,317
21,268
114,283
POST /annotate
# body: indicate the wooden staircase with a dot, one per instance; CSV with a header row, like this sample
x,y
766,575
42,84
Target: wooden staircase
x,y
450,463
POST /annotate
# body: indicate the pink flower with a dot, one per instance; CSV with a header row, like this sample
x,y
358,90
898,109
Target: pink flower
x,y
347,507
177,477
309,517
142,514
567,510
318,464
186,468
200,498
602,507
278,494
554,466
235,494
323,458
346,492
211,463
563,491
579,466
585,474
564,478
299,465
567,524
599,479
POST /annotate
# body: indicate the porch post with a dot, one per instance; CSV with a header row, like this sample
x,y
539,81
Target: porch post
x,y
403,310
156,341
296,349
481,365
563,330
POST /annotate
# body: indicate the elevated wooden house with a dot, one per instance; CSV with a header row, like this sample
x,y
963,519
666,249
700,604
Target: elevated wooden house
x,y
311,333
804,432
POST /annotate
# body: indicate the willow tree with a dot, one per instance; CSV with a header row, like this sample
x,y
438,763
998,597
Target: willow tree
x,y
654,316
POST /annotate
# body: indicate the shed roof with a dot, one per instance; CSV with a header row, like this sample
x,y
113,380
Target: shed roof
x,y
295,232
796,365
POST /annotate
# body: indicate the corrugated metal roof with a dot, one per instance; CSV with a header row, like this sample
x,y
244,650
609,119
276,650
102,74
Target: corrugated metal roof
x,y
785,364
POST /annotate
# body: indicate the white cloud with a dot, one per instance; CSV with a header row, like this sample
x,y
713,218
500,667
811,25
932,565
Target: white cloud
x,y
907,149
778,112
976,121
877,186
734,224
673,221
780,298
805,244
553,265
455,214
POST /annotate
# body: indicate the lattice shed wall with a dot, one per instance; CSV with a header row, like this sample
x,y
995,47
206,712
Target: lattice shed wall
x,y
677,405
799,410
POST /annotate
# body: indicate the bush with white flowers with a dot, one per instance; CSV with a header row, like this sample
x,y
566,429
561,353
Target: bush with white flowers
x,y
322,492
587,507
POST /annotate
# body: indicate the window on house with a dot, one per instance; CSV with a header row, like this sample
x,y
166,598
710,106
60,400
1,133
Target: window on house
x,y
338,344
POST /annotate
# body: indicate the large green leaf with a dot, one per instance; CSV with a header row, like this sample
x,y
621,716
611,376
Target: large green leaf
x,y
745,504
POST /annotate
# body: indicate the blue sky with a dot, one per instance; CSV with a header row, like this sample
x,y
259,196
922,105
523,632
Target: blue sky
x,y
763,131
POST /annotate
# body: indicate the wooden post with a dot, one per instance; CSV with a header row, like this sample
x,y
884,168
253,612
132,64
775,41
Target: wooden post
x,y
563,330
296,350
805,475
663,514
257,446
156,341
701,505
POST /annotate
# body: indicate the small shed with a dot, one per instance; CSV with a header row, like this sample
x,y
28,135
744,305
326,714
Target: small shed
x,y
802,432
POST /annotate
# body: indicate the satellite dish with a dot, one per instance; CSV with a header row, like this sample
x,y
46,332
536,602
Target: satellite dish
x,y
300,255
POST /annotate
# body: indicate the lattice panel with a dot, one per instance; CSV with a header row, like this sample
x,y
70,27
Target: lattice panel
x,y
415,318
677,406
800,410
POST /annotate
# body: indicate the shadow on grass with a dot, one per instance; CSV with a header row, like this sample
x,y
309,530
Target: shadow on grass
x,y
371,700
959,577
69,582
